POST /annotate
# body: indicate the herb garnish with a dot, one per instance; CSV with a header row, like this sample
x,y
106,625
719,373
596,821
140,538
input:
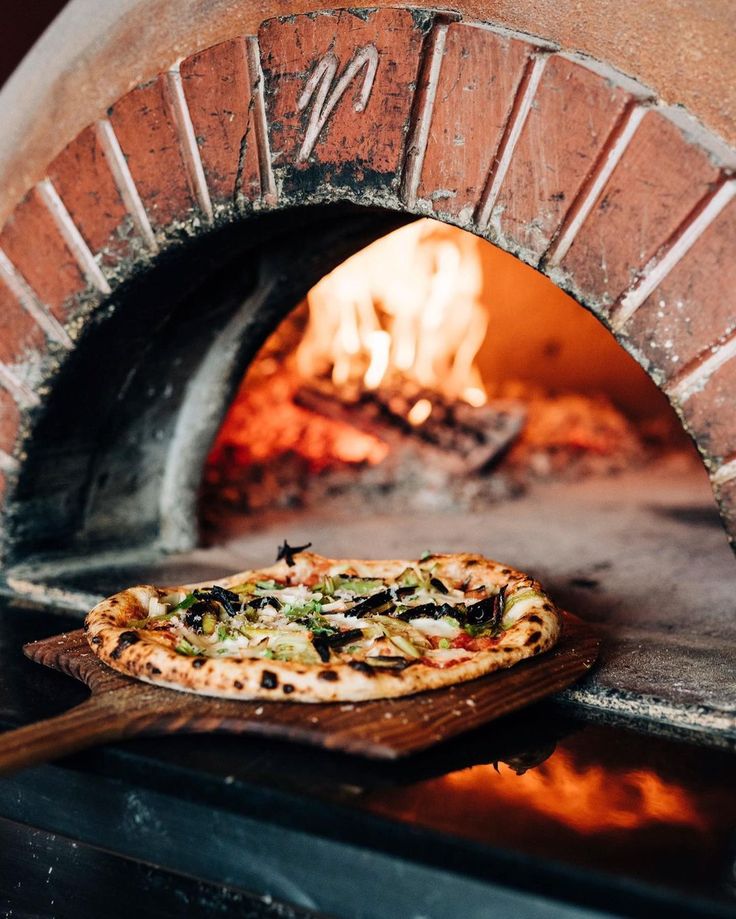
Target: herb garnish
x,y
288,552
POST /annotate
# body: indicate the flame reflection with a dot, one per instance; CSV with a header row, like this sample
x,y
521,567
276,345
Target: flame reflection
x,y
587,799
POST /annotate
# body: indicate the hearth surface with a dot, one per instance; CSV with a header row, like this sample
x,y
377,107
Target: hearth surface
x,y
541,805
643,555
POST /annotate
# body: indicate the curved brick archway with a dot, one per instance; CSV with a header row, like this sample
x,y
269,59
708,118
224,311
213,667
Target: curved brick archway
x,y
577,170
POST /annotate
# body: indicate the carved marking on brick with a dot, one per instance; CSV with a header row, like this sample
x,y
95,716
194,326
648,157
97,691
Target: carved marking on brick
x,y
574,111
72,237
223,108
694,379
321,133
145,126
658,269
27,299
708,405
474,78
260,123
20,335
82,176
424,109
33,243
693,305
22,393
124,182
614,149
187,141
658,181
519,113
320,81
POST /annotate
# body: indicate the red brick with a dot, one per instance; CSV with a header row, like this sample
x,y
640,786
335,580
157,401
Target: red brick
x,y
147,134
9,421
726,497
659,180
710,414
85,184
693,306
19,332
573,113
363,147
217,87
34,245
480,74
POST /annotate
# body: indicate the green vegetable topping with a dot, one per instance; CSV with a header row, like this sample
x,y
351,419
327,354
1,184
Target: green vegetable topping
x,y
444,643
186,647
185,603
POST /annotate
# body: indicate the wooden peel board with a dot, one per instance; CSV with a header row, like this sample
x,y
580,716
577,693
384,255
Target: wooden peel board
x,y
120,707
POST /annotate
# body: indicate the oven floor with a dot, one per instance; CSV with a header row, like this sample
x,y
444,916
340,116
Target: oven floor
x,y
643,555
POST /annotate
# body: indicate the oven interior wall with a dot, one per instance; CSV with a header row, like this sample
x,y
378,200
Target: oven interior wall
x,y
119,446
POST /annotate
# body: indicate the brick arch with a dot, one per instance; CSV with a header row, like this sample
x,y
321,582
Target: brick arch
x,y
626,204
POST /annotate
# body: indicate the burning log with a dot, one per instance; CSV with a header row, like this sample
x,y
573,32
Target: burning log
x,y
459,437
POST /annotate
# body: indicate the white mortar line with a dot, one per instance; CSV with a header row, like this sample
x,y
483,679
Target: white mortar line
x,y
696,379
532,75
561,247
188,140
124,182
420,133
724,473
72,237
656,271
260,122
25,296
8,463
22,393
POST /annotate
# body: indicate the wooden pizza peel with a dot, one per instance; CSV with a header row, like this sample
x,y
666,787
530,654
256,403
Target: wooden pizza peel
x,y
120,707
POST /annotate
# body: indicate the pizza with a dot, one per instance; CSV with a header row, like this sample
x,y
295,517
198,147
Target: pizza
x,y
314,629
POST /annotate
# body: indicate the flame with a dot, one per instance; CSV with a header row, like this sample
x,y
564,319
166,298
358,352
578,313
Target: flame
x,y
588,800
407,305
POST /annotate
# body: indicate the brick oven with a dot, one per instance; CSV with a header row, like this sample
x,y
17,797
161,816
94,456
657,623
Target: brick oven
x,y
168,196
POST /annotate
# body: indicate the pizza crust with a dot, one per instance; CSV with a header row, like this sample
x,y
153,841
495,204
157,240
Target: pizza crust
x,y
146,656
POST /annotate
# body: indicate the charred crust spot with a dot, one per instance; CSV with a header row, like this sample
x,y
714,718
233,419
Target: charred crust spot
x,y
535,619
547,607
85,627
287,689
125,640
469,563
199,662
362,667
237,684
533,638
269,680
154,670
330,675
506,571
96,640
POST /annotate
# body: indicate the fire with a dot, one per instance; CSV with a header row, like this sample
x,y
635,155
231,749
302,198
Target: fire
x,y
408,306
588,800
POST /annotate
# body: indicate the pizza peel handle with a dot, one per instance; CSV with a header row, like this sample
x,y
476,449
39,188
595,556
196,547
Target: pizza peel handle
x,y
87,724
118,708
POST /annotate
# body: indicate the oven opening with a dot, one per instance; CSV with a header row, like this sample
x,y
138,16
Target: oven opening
x,y
433,373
